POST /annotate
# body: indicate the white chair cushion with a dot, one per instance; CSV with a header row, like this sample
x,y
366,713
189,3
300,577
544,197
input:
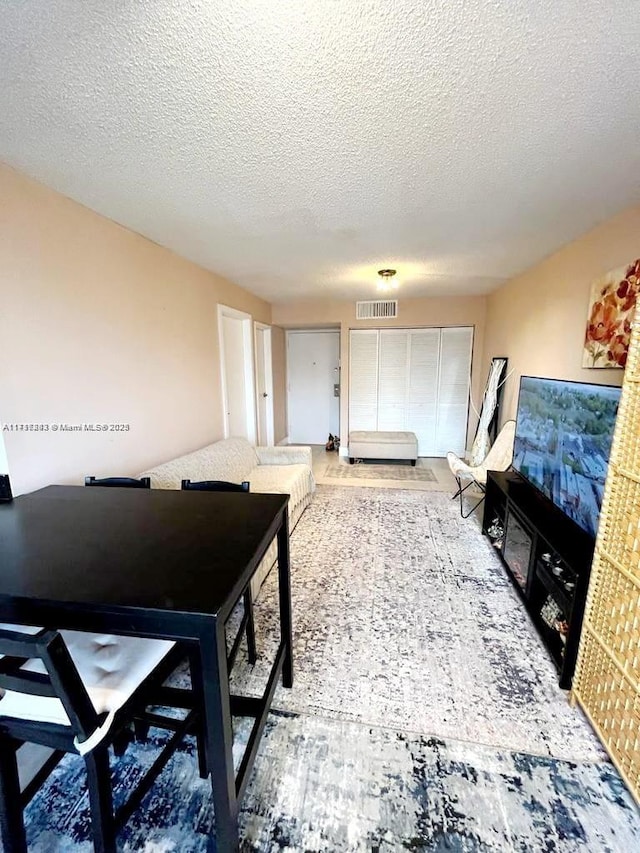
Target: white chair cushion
x,y
111,668
19,629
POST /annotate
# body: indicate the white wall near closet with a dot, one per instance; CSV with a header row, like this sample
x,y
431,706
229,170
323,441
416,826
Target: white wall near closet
x,y
412,379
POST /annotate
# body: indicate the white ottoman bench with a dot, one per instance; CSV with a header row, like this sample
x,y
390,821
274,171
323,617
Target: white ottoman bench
x,y
368,444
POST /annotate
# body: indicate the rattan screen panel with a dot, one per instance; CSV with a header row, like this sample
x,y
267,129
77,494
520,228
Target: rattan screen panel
x,y
607,679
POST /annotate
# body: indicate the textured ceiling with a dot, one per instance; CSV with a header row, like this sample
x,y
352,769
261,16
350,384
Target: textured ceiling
x,y
296,146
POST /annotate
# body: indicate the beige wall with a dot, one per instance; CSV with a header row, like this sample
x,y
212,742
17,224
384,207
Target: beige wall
x,y
279,366
412,313
538,319
99,325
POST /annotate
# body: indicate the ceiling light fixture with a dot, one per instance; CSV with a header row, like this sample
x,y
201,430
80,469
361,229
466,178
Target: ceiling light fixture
x,y
387,281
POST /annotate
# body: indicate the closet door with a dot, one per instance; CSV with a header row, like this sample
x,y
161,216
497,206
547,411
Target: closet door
x,y
363,379
393,367
422,392
412,379
453,390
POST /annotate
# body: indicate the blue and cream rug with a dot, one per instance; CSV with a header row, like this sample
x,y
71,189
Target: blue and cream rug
x,y
425,713
405,618
329,785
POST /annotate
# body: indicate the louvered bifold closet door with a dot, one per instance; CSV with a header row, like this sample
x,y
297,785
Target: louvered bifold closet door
x,y
422,393
363,379
453,390
393,371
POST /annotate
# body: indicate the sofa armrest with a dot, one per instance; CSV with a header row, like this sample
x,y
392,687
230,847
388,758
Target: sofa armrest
x,y
284,456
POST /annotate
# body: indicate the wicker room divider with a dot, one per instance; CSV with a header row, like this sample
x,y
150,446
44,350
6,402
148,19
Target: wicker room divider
x,y
607,680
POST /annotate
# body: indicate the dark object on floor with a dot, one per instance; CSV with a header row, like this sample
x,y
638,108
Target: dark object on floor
x,y
5,489
330,445
336,443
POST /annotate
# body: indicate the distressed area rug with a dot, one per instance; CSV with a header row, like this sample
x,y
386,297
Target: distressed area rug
x,y
368,471
404,618
425,714
340,787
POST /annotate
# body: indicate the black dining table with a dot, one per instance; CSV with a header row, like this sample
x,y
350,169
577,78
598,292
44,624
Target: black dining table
x,y
154,563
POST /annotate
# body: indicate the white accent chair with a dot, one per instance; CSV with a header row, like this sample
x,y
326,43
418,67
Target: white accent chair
x,y
499,458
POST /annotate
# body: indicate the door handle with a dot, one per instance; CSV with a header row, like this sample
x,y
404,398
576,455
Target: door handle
x,y
264,394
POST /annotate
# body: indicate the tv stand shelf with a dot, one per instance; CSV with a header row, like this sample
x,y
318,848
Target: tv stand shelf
x,y
547,557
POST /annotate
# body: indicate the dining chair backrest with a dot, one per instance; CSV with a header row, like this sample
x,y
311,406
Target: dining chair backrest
x,y
246,625
214,486
60,679
120,482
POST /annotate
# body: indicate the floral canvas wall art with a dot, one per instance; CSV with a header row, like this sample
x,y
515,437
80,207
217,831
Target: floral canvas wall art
x,y
613,299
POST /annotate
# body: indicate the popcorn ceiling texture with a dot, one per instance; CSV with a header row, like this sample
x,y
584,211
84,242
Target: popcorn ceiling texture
x,y
296,147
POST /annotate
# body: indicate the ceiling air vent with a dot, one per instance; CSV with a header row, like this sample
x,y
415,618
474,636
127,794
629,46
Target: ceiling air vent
x,y
377,309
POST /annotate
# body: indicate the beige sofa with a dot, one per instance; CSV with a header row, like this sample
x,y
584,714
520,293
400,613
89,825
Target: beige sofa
x,y
283,470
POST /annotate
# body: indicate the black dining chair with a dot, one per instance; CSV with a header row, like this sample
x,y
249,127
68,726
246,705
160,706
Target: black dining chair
x,y
214,486
75,692
119,482
142,727
247,625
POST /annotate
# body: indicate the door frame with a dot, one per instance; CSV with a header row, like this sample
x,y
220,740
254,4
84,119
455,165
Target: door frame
x,y
262,332
248,367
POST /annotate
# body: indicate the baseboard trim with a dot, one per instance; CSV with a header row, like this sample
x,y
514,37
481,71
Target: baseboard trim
x,y
343,451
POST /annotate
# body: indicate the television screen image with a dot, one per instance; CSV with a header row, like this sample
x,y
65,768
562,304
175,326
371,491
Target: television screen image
x,y
563,440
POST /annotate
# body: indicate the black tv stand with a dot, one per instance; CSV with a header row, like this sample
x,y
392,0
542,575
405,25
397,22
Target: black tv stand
x,y
548,558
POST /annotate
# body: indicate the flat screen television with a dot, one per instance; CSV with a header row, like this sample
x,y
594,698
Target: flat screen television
x,y
563,439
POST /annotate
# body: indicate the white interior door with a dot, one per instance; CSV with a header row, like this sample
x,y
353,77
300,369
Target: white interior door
x,y
392,379
422,394
363,380
264,385
236,363
453,390
412,379
313,362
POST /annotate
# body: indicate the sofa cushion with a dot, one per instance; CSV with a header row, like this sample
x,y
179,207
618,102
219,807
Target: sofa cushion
x,y
293,480
290,455
231,459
